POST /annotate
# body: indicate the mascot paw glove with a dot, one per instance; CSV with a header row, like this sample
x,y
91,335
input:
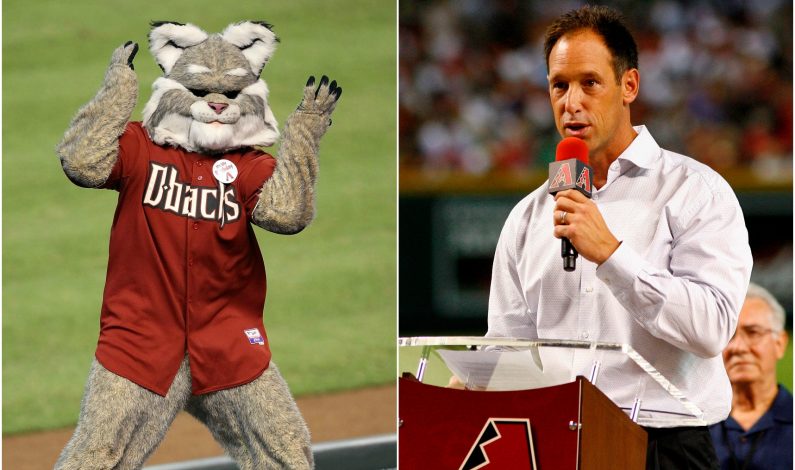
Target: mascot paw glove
x,y
125,54
320,100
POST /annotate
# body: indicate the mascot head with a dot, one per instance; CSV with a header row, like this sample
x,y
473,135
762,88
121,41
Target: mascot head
x,y
210,98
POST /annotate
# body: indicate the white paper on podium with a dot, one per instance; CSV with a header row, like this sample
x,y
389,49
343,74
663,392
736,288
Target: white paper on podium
x,y
508,370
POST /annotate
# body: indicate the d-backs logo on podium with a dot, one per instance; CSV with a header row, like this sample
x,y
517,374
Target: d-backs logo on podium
x,y
503,444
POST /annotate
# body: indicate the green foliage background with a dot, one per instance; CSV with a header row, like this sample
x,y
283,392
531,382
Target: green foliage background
x,y
331,303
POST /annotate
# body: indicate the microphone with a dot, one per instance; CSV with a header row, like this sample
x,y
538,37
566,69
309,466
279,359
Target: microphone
x,y
570,170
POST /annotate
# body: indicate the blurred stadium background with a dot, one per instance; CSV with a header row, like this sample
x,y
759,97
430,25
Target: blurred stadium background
x,y
330,311
476,132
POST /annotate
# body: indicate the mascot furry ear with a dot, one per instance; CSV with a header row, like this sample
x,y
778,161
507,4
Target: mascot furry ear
x,y
168,40
255,40
211,99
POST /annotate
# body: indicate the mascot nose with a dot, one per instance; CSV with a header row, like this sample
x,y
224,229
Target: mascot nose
x,y
218,107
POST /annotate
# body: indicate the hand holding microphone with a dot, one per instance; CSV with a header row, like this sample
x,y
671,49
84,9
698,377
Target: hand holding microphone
x,y
577,219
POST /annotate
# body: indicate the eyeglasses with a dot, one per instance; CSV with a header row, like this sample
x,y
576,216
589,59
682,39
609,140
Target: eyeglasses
x,y
751,336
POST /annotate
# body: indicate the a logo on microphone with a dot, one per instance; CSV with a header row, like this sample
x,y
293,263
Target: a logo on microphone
x,y
503,444
584,180
560,176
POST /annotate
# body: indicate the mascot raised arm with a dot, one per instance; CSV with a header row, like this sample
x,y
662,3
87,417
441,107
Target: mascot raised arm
x,y
181,322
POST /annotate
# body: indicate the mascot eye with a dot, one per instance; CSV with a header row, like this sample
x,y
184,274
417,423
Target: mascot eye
x,y
231,94
199,93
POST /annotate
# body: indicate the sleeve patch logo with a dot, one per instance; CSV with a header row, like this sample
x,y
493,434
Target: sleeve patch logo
x,y
254,336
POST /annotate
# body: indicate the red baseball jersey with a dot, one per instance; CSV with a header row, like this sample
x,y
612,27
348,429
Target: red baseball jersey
x,y
185,273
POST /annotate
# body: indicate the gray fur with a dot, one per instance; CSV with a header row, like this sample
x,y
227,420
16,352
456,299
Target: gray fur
x,y
121,424
171,100
251,105
287,201
217,55
258,423
90,146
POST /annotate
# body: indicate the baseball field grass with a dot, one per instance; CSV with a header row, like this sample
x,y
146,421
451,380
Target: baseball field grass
x,y
330,310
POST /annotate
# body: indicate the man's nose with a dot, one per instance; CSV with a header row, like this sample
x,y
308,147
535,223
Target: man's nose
x,y
573,99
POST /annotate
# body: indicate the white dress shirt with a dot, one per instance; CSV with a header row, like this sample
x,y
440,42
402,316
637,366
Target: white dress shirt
x,y
672,290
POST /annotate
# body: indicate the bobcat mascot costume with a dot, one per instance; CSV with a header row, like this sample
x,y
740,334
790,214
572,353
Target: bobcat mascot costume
x,y
181,322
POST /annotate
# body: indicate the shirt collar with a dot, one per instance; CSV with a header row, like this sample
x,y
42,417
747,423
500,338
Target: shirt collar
x,y
780,411
643,152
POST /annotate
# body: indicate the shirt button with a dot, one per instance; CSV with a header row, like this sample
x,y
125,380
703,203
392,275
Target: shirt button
x,y
195,226
589,289
200,177
201,163
584,335
594,196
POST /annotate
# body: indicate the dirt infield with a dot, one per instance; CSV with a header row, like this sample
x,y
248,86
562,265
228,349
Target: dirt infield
x,y
335,416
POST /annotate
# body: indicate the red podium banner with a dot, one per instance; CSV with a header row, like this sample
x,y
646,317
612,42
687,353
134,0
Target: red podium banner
x,y
569,426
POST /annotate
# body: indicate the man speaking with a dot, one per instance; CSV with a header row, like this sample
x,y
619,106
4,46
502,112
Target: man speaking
x,y
663,249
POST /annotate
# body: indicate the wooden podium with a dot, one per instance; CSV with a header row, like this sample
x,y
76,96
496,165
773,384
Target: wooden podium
x,y
571,426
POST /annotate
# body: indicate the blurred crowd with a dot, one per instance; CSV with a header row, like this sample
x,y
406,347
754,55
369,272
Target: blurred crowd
x,y
716,82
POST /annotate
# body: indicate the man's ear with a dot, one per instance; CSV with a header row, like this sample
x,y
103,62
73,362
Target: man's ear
x,y
168,40
630,85
256,41
781,344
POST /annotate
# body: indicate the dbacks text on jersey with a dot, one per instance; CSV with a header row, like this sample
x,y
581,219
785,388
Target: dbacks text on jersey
x,y
164,192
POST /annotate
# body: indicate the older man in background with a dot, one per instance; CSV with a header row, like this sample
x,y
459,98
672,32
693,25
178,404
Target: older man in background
x,y
758,432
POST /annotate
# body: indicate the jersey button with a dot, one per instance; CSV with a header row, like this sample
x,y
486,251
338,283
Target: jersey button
x,y
200,177
195,226
201,163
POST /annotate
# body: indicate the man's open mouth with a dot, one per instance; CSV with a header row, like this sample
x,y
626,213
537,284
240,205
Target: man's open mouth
x,y
575,128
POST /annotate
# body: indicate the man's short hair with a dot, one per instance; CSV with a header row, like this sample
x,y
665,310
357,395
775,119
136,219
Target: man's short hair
x,y
777,315
604,21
